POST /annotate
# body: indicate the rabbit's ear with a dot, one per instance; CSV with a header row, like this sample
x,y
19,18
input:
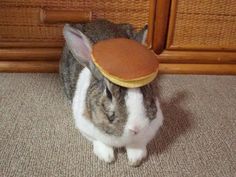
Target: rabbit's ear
x,y
141,36
81,48
78,44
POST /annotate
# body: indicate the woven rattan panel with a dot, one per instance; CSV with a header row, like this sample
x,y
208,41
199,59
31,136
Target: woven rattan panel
x,y
19,19
203,24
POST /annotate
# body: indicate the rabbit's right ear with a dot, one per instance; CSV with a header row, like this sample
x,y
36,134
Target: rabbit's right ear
x,y
78,44
141,36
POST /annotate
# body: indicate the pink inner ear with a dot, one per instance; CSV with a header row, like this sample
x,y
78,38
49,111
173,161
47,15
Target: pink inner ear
x,y
83,51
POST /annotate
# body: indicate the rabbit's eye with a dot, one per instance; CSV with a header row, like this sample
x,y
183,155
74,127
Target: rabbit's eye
x,y
109,95
110,114
111,117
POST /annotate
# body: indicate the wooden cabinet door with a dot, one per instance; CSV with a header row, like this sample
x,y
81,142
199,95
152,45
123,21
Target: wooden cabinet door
x,y
196,36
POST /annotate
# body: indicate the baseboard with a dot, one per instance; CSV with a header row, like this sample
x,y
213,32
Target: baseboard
x,y
165,68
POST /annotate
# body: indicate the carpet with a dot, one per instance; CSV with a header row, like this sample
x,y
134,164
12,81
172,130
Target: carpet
x,y
38,135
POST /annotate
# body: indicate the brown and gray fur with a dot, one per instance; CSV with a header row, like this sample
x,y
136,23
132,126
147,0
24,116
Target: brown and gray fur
x,y
105,101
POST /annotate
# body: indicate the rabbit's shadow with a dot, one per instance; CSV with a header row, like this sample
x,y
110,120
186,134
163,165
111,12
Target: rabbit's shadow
x,y
177,120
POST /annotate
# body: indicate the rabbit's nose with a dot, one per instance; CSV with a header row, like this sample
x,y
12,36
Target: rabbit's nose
x,y
134,130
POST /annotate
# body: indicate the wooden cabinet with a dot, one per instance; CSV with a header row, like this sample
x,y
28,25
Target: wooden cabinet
x,y
188,36
195,36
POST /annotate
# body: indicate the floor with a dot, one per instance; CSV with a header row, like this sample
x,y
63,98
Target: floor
x,y
38,136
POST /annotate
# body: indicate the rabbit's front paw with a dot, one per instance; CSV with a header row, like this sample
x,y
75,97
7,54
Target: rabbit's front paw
x,y
103,151
136,155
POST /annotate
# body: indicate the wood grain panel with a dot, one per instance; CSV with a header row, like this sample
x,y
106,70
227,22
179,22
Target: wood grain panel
x,y
15,16
217,7
31,33
202,25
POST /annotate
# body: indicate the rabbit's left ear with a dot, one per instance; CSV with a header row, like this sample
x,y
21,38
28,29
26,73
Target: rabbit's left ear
x,y
81,48
141,36
78,44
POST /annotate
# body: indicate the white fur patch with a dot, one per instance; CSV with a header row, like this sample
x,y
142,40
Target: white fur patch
x,y
137,119
82,85
103,151
135,156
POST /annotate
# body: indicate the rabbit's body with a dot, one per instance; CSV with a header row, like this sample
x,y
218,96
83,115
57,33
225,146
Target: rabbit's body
x,y
105,113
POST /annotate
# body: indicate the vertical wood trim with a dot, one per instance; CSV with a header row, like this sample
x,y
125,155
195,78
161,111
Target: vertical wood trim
x,y
161,25
151,21
170,35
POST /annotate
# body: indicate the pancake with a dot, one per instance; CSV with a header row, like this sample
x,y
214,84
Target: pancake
x,y
125,62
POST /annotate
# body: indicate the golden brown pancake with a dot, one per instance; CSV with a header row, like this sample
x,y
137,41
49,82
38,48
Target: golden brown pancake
x,y
125,62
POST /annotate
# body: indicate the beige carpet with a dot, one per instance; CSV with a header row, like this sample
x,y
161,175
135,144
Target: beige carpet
x,y
38,137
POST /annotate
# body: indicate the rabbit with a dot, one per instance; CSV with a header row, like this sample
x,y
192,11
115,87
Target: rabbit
x,y
108,115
